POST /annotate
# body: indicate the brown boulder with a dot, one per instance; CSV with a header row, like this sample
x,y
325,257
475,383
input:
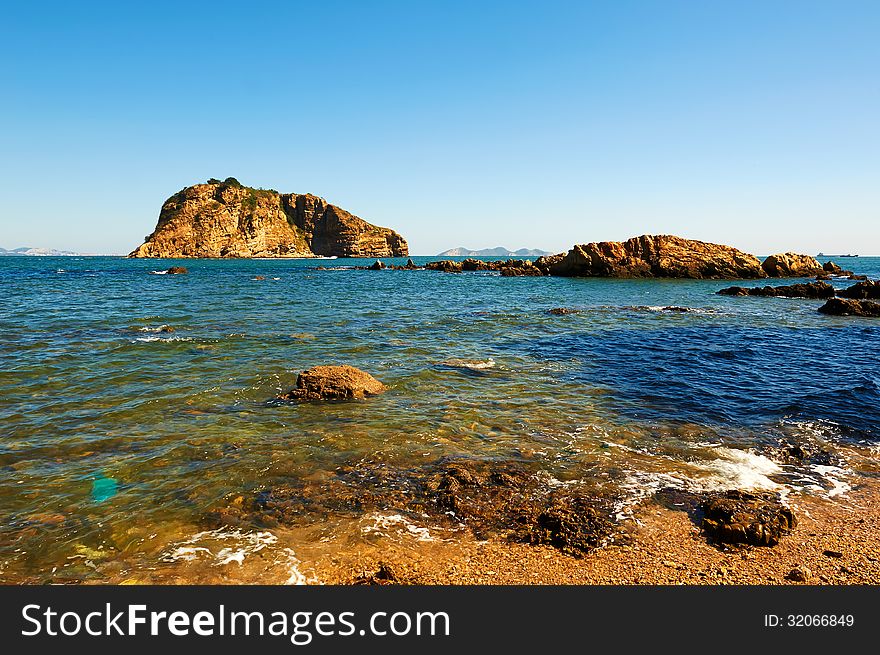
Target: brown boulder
x,y
333,383
520,268
791,264
739,517
177,270
445,266
846,307
657,256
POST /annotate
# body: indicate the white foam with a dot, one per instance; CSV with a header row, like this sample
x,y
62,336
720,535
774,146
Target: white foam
x,y
236,546
473,364
738,469
153,328
152,339
382,524
833,475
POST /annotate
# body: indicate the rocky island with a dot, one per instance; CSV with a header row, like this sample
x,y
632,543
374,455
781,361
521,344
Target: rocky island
x,y
228,219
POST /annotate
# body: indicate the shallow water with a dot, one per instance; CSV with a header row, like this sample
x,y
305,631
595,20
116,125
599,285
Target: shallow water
x,y
118,437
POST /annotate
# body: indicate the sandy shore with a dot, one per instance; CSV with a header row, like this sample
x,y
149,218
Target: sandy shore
x,y
837,541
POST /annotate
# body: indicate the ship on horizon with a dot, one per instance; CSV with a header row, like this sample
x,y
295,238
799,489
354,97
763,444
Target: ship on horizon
x,y
822,254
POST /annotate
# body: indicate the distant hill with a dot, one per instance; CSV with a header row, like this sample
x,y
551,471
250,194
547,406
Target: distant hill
x,y
35,252
493,252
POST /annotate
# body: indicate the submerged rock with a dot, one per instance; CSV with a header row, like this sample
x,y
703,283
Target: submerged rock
x,y
657,256
845,307
333,383
865,290
491,498
505,498
801,453
791,264
808,290
740,517
562,311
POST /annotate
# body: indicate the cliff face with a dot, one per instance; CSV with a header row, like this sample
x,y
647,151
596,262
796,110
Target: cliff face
x,y
225,219
656,256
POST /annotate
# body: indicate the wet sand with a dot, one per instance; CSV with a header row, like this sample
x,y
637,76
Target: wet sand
x,y
837,542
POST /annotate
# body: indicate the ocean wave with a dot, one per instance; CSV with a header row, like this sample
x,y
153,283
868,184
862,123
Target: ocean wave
x,y
223,546
468,364
383,524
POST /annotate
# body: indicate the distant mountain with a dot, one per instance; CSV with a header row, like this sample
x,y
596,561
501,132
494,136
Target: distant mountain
x,y
493,252
35,252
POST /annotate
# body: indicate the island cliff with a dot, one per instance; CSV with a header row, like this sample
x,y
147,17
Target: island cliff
x,y
227,219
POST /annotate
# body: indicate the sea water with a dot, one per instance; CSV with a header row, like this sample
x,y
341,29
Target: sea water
x,y
131,404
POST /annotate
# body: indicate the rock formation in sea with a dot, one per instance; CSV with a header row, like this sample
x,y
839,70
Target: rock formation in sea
x,y
811,290
791,264
847,307
226,219
657,256
866,290
333,383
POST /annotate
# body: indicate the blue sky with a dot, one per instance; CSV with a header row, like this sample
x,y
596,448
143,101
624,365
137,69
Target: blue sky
x,y
535,124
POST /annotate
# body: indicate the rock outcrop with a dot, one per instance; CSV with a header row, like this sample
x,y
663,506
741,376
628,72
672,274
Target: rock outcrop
x,y
333,383
866,290
226,219
740,517
656,256
791,264
846,307
811,290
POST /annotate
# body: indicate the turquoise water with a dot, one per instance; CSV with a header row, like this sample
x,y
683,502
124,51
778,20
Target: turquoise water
x,y
118,438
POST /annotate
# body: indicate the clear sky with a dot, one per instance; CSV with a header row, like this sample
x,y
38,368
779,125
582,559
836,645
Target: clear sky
x,y
523,124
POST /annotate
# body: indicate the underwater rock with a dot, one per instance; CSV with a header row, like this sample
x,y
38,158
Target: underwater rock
x,y
504,499
845,307
562,311
801,453
809,290
740,517
333,383
864,290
